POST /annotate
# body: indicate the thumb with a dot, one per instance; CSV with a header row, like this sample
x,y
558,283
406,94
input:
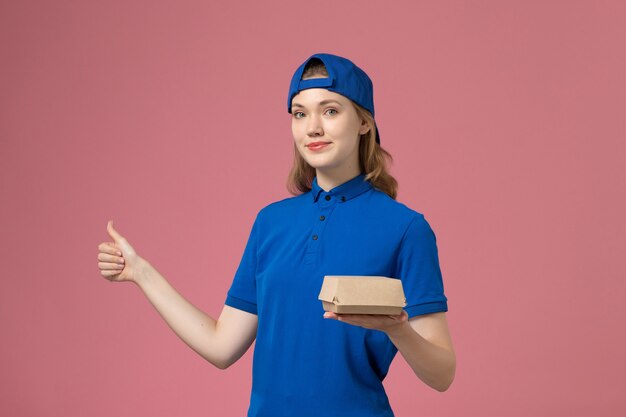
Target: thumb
x,y
120,241
113,233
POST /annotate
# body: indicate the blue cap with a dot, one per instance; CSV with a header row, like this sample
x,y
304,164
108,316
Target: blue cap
x,y
344,78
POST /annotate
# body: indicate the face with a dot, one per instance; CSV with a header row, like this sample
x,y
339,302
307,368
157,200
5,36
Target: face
x,y
319,115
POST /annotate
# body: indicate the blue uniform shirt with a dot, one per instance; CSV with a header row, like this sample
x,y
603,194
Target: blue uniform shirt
x,y
305,365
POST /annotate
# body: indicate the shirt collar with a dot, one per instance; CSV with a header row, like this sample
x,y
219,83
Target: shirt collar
x,y
345,191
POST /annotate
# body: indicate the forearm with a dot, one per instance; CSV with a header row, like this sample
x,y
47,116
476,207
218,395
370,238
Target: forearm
x,y
194,327
431,363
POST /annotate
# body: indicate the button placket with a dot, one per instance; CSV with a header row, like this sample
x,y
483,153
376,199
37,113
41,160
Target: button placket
x,y
326,204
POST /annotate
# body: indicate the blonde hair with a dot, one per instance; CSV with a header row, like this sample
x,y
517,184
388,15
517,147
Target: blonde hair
x,y
373,159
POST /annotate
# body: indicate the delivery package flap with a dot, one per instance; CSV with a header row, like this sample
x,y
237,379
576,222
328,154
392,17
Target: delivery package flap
x,y
357,294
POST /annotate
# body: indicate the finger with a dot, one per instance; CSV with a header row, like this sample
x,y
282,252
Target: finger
x,y
116,248
109,274
110,258
351,316
113,233
110,266
109,247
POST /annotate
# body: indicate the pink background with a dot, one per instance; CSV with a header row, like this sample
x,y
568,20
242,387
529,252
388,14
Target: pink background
x,y
506,123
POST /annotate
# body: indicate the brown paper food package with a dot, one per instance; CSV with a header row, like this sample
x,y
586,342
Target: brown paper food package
x,y
357,294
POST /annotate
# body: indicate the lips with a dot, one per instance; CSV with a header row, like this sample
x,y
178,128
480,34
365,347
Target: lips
x,y
314,144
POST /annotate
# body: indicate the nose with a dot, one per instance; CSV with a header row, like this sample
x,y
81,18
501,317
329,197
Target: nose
x,y
314,128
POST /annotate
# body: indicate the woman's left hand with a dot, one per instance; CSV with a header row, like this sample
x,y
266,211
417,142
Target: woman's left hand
x,y
382,322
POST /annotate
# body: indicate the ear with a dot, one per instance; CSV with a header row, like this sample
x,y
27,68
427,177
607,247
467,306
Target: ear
x,y
364,127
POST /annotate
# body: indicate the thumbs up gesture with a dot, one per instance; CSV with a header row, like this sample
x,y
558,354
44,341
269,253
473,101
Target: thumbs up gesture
x,y
117,260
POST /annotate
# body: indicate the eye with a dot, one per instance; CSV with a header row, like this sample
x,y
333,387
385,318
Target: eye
x,y
333,110
295,114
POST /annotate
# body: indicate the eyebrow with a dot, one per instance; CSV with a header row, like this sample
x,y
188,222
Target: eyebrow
x,y
321,103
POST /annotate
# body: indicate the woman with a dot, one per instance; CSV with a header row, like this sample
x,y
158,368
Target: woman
x,y
342,220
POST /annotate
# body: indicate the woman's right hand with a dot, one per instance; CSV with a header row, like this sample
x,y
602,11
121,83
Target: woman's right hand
x,y
117,260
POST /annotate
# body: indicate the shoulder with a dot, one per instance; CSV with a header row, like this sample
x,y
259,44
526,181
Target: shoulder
x,y
395,210
411,224
282,207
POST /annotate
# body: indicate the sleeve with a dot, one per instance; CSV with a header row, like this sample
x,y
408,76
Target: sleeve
x,y
418,268
242,292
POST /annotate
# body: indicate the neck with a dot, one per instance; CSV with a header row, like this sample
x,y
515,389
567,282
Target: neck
x,y
328,179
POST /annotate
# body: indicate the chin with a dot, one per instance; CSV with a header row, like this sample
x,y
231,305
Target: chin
x,y
314,165
314,162
317,162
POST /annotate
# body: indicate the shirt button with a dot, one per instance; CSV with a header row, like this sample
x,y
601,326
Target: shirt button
x,y
327,197
322,217
343,198
314,237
